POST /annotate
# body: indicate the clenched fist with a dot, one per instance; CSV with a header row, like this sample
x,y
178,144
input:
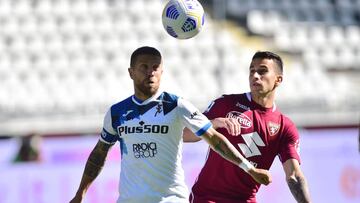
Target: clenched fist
x,y
261,176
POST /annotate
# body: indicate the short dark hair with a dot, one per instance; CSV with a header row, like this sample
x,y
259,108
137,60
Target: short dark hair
x,y
269,55
145,50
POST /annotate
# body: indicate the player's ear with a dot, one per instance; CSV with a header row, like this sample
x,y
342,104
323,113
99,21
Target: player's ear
x,y
162,66
131,72
279,79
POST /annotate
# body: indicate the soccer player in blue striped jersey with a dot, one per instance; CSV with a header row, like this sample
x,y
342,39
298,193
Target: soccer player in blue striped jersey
x,y
149,126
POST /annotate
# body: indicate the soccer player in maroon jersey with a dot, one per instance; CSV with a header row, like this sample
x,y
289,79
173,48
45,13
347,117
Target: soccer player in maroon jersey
x,y
265,133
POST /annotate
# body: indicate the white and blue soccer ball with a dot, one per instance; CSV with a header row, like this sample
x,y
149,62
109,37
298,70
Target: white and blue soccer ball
x,y
183,19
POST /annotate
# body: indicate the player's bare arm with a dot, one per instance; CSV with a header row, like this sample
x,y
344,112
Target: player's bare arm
x,y
296,181
232,126
189,136
223,147
96,159
92,169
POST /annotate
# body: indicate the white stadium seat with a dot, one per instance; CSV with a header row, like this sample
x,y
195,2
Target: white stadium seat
x,y
70,57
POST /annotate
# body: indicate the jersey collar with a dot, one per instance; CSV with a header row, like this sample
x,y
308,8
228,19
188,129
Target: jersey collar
x,y
248,96
153,98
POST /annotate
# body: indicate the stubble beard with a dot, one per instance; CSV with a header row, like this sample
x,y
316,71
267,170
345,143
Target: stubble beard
x,y
147,90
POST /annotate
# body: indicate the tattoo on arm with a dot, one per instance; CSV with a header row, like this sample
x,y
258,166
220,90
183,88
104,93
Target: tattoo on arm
x,y
221,145
218,147
223,150
93,167
96,160
299,189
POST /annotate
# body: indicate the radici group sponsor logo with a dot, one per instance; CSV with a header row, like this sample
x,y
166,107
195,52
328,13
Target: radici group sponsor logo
x,y
145,150
243,119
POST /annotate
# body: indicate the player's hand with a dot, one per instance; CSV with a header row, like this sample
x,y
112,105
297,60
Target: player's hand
x,y
261,176
232,125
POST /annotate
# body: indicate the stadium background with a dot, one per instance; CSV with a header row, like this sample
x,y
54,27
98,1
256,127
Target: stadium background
x,y
63,62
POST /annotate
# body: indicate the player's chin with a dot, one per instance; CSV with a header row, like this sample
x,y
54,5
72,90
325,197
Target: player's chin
x,y
153,89
151,85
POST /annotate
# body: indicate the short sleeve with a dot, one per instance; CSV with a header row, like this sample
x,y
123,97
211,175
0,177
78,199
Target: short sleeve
x,y
290,144
108,134
192,118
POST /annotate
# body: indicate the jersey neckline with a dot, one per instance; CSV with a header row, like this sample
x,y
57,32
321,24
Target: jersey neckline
x,y
272,109
153,98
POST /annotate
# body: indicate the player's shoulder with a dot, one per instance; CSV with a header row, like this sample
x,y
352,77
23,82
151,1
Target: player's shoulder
x,y
230,97
169,101
169,97
287,122
284,117
120,106
289,127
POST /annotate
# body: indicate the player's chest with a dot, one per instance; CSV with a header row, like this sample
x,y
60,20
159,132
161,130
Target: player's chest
x,y
260,133
153,122
256,126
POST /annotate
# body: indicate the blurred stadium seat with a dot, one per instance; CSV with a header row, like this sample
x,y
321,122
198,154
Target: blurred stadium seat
x,y
67,60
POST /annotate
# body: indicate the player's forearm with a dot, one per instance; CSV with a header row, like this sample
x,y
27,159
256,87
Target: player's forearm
x,y
299,188
189,136
224,148
93,167
91,171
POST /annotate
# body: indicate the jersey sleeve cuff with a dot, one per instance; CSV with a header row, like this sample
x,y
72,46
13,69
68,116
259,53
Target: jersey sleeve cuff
x,y
203,129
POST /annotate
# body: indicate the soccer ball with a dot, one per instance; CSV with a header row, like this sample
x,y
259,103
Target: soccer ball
x,y
183,19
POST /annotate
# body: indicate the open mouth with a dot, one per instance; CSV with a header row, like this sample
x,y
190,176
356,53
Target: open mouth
x,y
256,84
149,82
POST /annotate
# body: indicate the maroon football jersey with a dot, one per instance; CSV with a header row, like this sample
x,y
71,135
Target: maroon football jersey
x,y
265,133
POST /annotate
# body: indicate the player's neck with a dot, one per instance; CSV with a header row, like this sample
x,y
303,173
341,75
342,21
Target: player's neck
x,y
264,100
142,96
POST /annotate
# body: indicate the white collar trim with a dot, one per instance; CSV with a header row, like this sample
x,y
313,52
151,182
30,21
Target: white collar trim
x,y
153,98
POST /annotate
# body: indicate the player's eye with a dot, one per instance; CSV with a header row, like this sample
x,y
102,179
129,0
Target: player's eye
x,y
143,66
156,67
262,71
